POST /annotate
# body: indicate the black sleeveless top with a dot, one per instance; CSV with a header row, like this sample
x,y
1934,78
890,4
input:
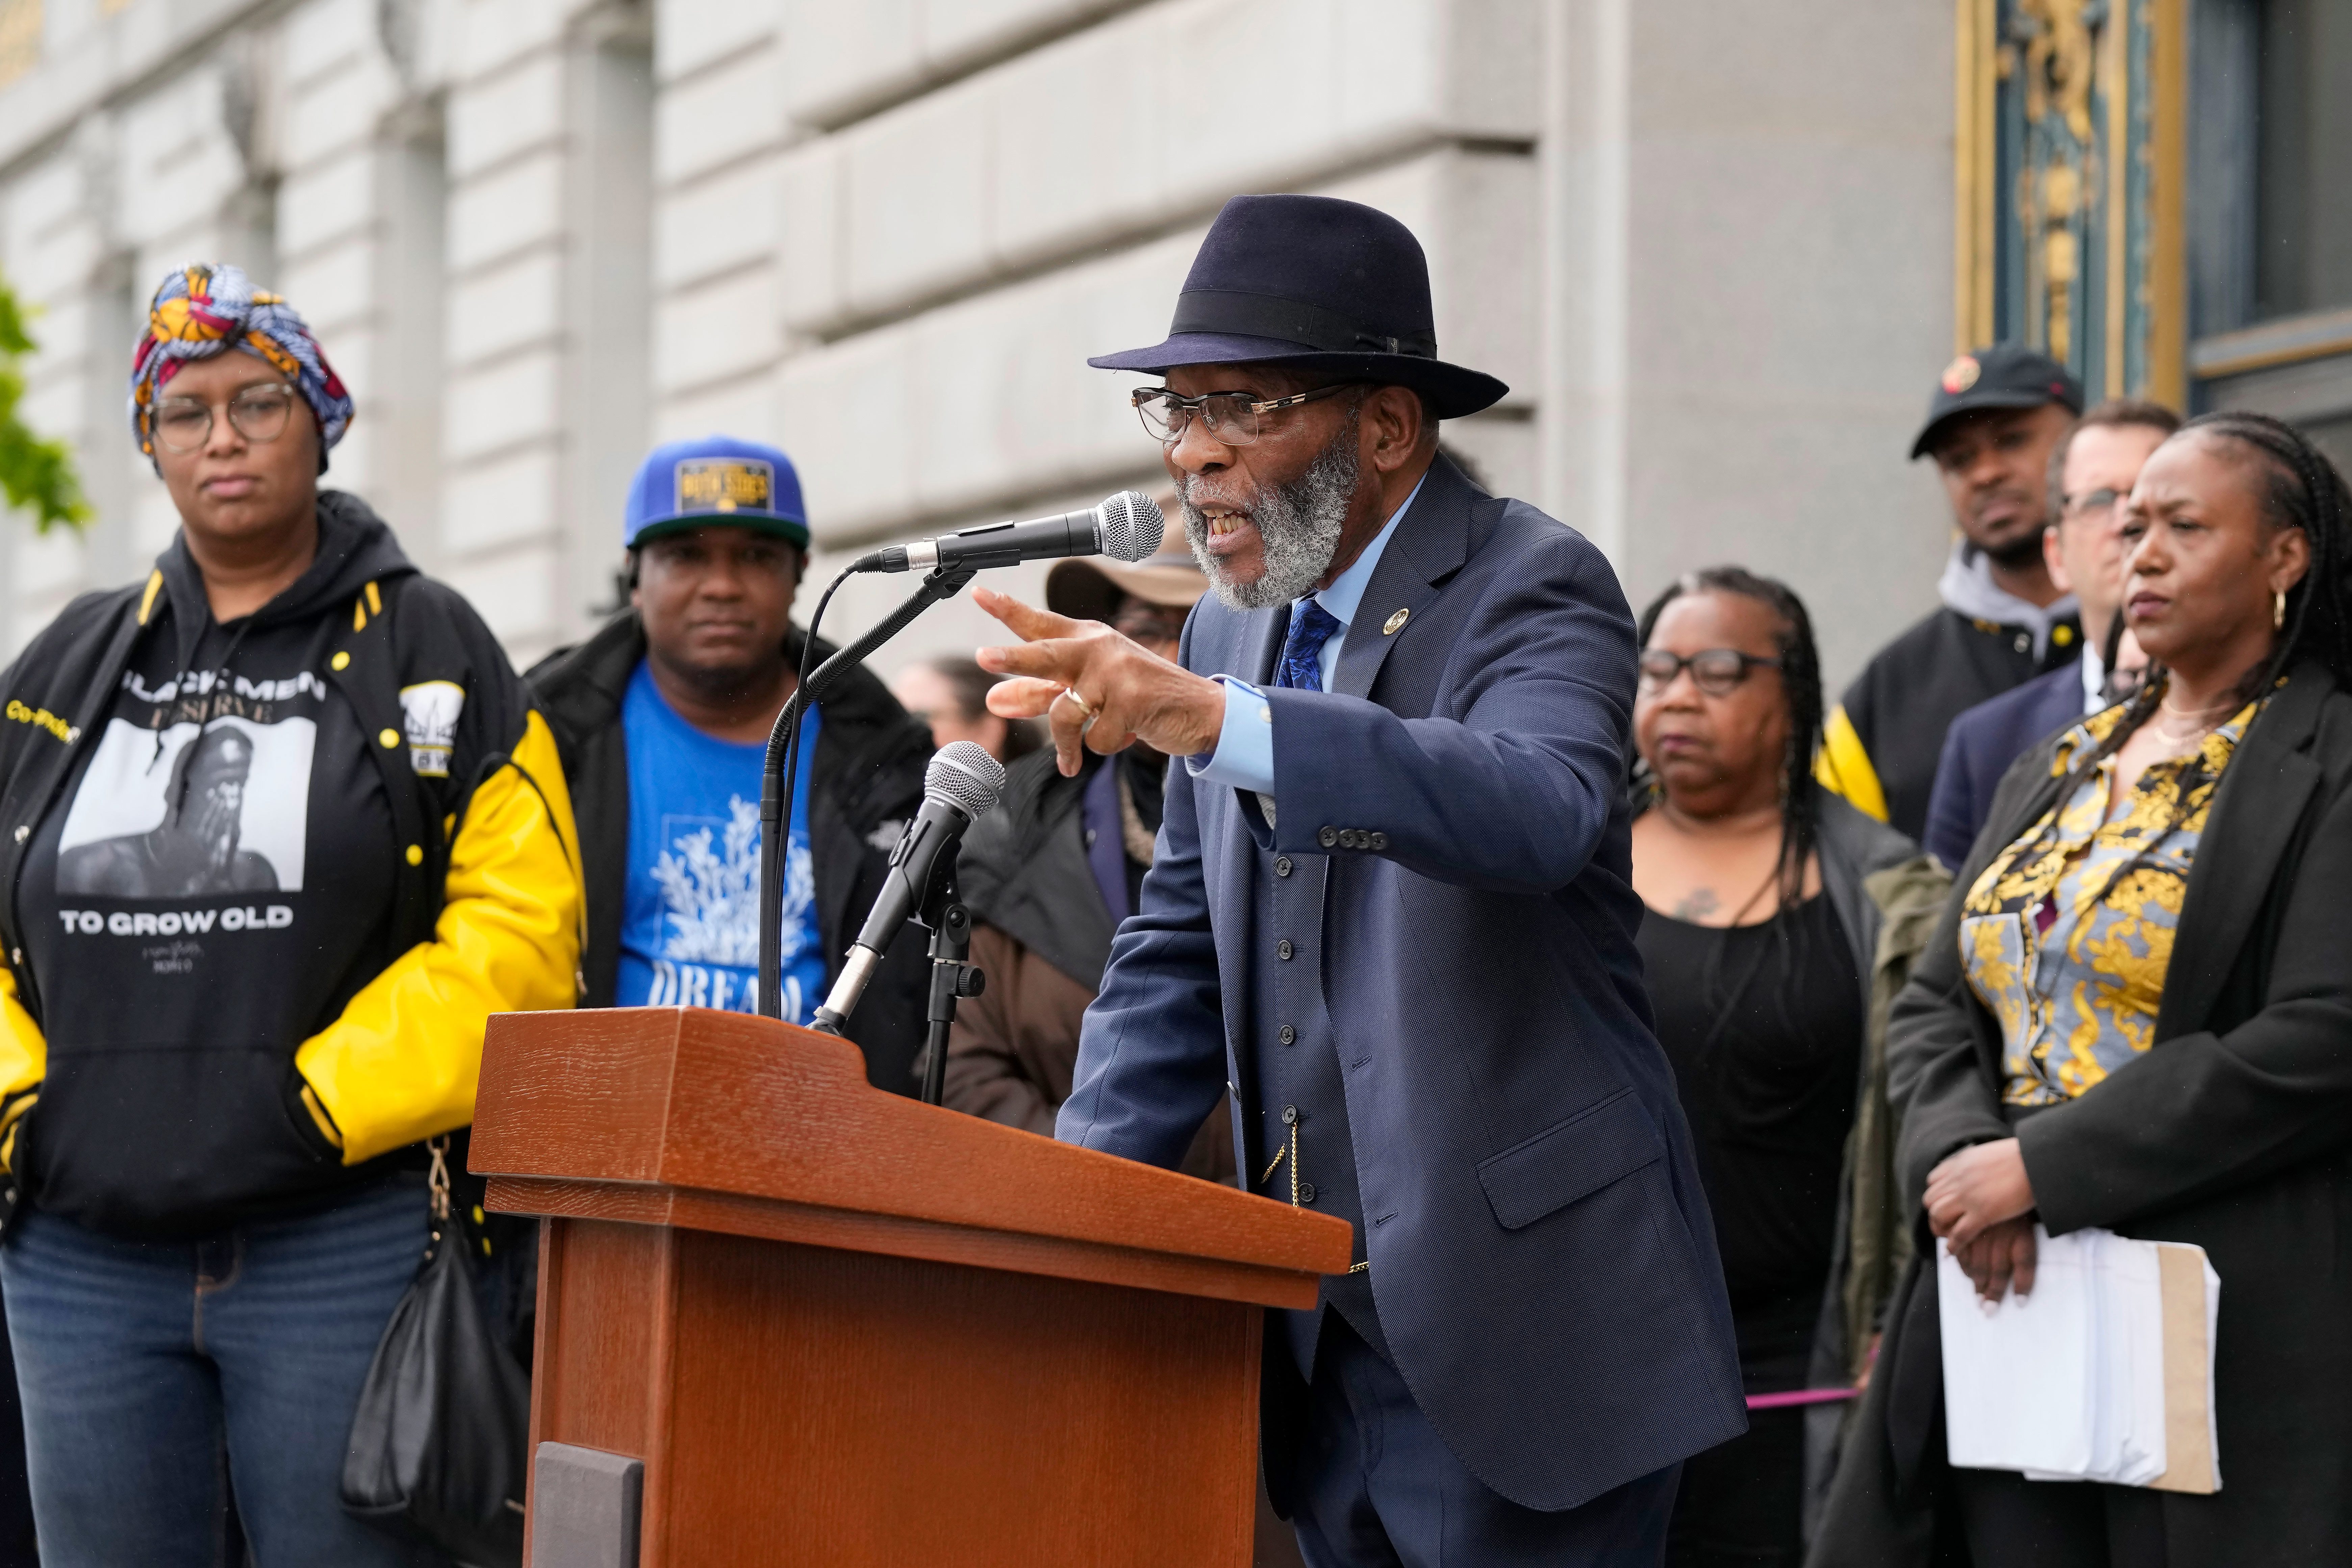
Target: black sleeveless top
x,y
1764,1025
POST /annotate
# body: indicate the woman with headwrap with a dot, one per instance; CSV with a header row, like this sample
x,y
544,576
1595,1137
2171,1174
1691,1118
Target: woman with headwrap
x,y
281,831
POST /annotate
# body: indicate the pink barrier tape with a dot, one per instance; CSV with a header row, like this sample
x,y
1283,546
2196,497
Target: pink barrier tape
x,y
1798,1396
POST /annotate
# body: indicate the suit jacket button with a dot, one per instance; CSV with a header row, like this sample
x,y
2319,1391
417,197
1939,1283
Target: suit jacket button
x,y
1282,865
1290,1115
1327,836
1306,1192
1288,1036
1380,840
1283,949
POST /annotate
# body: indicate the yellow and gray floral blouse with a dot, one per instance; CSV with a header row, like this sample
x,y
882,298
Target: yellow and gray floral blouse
x,y
2072,967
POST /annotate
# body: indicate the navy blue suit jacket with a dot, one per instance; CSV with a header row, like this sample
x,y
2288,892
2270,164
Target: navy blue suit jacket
x,y
1541,1255
1981,744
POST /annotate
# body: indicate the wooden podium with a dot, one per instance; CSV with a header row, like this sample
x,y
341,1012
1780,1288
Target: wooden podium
x,y
841,1327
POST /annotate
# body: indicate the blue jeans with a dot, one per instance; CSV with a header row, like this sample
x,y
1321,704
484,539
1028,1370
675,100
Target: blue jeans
x,y
143,1364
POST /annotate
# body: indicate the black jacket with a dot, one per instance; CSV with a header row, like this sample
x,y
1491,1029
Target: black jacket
x,y
865,781
1881,744
1025,868
185,1048
2235,1133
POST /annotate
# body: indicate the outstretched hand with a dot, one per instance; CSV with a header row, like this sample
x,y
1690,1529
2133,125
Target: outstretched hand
x,y
1132,694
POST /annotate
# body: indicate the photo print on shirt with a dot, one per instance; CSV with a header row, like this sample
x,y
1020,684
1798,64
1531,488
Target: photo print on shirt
x,y
178,813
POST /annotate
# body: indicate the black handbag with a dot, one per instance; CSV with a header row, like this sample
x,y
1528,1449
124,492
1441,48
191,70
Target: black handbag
x,y
439,1447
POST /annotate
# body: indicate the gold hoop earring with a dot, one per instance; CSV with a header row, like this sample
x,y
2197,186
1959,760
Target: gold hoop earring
x,y
2278,610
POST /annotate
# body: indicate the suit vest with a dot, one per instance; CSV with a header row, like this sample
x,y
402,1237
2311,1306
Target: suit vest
x,y
1299,1104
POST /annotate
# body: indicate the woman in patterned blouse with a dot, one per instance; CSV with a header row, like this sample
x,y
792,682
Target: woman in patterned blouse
x,y
2136,1015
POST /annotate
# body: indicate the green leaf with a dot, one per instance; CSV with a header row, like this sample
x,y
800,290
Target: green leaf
x,y
34,473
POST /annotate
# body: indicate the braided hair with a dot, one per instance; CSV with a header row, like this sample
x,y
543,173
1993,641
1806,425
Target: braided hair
x,y
1801,687
1800,684
2301,490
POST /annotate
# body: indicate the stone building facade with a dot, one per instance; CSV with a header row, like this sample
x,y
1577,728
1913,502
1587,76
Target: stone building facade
x,y
1709,247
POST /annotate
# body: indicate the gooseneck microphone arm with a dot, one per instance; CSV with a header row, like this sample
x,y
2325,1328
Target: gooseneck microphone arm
x,y
775,785
951,979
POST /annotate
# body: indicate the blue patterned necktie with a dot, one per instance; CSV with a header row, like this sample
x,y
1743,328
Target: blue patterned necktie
x,y
1311,626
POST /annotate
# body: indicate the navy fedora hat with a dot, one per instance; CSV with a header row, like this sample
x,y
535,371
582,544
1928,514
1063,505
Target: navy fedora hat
x,y
1318,284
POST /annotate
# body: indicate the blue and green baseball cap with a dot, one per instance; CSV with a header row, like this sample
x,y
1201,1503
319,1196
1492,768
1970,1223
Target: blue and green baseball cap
x,y
715,480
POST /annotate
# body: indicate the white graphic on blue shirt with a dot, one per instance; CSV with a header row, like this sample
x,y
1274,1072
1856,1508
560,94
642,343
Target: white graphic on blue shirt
x,y
690,917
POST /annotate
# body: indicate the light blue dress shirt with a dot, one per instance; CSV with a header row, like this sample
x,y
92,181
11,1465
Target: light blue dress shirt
x,y
1244,754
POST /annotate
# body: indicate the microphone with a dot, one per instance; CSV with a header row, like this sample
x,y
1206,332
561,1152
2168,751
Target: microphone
x,y
1126,527
961,785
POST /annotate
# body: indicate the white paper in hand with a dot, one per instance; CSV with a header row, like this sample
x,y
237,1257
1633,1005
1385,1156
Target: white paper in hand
x,y
2071,1383
2019,1380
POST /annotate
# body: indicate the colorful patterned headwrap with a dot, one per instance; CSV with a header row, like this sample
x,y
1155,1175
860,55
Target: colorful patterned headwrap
x,y
208,309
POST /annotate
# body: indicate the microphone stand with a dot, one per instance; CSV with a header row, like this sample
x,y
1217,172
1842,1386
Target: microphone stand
x,y
951,977
781,765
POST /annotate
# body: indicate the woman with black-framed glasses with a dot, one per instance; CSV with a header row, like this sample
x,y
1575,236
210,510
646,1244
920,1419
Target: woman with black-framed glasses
x,y
1767,899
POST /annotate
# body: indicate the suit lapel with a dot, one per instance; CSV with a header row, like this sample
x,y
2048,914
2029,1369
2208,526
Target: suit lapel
x,y
1429,545
1260,642
2255,816
2064,707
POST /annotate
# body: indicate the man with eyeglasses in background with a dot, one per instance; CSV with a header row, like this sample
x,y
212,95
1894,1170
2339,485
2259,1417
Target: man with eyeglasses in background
x,y
2092,471
1995,416
1391,913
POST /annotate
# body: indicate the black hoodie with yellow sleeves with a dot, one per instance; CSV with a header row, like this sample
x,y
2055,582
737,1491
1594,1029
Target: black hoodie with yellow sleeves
x,y
262,884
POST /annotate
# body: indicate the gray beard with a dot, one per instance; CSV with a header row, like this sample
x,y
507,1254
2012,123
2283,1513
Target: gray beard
x,y
1298,525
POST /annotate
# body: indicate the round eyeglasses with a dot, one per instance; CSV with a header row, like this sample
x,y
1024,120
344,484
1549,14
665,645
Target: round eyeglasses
x,y
1717,671
1234,418
258,414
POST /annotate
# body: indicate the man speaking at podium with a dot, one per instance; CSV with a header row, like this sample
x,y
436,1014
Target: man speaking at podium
x,y
1391,908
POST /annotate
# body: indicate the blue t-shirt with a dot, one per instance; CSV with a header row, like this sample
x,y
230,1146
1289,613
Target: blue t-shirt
x,y
690,912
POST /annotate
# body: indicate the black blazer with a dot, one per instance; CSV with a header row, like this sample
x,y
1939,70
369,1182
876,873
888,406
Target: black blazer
x,y
1981,746
2234,1132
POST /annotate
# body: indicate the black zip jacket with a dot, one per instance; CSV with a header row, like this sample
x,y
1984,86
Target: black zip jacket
x,y
865,781
265,883
1881,744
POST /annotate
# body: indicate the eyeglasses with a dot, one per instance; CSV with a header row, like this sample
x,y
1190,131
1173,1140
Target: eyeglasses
x,y
257,413
2091,501
1717,671
1150,624
2122,685
1234,418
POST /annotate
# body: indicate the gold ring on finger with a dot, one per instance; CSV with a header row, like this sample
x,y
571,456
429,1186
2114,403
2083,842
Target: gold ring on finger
x,y
1085,707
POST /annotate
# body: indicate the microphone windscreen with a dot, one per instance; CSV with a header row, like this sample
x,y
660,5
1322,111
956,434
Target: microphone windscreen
x,y
965,776
1129,527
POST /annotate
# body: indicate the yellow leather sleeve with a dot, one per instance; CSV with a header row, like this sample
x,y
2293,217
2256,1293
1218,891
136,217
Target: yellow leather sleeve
x,y
401,1062
24,1061
1842,766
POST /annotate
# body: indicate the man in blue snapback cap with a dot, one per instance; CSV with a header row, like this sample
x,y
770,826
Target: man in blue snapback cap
x,y
663,719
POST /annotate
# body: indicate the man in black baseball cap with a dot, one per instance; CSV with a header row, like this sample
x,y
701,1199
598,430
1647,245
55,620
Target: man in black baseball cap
x,y
1995,417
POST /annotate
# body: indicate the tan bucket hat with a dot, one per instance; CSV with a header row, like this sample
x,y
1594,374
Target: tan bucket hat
x,y
1089,588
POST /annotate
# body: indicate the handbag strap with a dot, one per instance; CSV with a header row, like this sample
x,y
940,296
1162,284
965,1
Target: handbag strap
x,y
439,1182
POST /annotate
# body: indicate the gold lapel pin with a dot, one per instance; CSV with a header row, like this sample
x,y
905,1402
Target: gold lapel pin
x,y
1396,623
